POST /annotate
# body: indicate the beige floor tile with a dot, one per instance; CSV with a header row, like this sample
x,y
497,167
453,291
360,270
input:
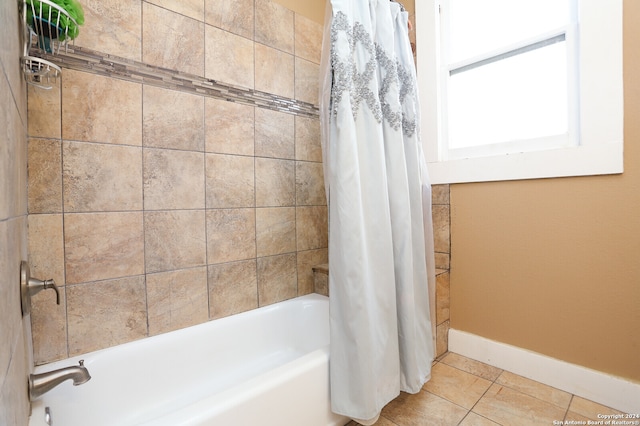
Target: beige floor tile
x,y
589,409
456,385
381,422
535,389
469,365
423,409
474,419
507,406
576,417
511,400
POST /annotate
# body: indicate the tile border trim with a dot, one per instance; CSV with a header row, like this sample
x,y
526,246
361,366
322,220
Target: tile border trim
x,y
612,391
94,62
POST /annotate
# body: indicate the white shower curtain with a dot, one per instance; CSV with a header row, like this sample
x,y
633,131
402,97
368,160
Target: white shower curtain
x,y
381,263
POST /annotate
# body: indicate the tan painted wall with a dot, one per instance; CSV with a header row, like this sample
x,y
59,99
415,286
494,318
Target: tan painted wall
x,y
312,9
553,265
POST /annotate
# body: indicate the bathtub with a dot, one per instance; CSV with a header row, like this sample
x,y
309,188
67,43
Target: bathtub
x,y
268,366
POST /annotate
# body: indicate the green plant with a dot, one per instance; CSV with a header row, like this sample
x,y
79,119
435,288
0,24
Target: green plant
x,y
48,15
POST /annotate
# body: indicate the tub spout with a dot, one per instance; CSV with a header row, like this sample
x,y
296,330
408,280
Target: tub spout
x,y
39,384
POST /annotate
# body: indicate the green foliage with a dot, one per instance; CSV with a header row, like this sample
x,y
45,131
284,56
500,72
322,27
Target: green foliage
x,y
49,15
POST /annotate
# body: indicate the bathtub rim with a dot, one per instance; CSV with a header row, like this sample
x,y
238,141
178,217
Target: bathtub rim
x,y
73,360
321,355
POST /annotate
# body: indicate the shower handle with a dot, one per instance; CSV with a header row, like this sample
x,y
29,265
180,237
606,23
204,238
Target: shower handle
x,y
31,286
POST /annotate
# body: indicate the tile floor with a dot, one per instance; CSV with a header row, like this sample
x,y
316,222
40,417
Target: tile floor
x,y
469,393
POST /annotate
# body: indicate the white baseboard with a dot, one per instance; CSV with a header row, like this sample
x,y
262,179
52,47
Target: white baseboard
x,y
605,389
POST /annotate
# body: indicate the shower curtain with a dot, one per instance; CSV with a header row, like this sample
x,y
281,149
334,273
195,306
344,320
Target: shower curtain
x,y
381,261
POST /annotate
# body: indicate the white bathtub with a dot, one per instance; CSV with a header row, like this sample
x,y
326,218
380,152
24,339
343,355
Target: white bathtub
x,y
269,366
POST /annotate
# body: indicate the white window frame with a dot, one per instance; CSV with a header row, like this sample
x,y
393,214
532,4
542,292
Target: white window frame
x,y
599,149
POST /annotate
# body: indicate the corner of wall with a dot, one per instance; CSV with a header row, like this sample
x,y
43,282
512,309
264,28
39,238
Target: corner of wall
x,y
16,354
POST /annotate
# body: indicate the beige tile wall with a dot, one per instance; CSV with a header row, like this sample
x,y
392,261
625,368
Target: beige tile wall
x,y
15,338
156,209
442,247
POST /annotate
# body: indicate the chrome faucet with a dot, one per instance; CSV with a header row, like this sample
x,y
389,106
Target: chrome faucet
x,y
44,382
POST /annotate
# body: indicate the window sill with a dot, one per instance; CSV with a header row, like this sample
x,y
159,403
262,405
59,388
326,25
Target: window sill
x,y
600,159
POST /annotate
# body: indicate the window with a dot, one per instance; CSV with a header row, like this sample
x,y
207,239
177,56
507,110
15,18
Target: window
x,y
520,88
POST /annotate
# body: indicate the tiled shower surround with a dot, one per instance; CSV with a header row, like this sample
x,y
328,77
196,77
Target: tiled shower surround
x,y
156,208
442,247
175,173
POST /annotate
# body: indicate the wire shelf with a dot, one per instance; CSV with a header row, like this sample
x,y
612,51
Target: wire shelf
x,y
40,72
49,29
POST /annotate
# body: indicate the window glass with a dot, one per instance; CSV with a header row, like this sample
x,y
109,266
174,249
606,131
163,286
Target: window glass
x,y
518,98
477,27
510,117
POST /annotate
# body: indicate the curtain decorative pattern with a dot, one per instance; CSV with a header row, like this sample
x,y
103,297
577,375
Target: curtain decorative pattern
x,y
357,85
381,267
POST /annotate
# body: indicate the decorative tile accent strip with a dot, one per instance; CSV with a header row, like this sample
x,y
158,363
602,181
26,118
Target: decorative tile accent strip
x,y
83,59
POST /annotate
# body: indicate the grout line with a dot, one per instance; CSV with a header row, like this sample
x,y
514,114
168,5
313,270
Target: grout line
x,y
143,210
479,399
506,385
63,213
566,413
206,229
255,189
481,396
